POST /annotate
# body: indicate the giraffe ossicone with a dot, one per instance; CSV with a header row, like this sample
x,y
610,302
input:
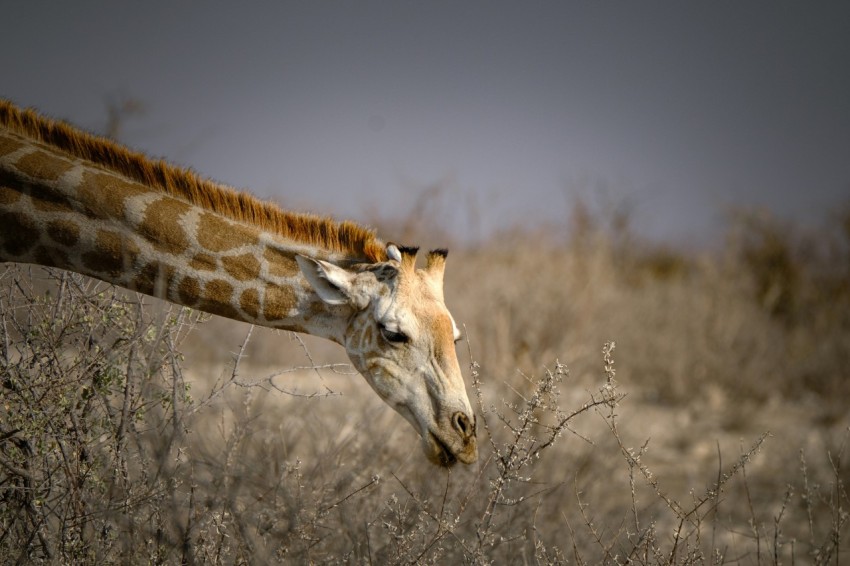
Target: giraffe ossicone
x,y
75,201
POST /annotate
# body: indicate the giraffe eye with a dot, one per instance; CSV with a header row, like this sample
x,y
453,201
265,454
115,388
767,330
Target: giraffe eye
x,y
393,336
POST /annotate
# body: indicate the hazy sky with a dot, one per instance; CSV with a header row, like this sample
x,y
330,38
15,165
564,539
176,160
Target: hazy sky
x,y
679,108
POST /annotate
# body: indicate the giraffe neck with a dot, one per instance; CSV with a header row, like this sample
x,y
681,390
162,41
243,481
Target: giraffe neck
x,y
58,209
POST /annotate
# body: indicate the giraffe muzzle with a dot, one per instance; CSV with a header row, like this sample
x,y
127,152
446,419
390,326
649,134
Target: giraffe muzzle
x,y
457,445
464,426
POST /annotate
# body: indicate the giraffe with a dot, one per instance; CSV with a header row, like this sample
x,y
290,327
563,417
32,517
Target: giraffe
x,y
75,201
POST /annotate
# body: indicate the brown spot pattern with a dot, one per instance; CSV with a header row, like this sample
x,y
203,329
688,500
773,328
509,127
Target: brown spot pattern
x,y
217,297
250,302
154,279
218,235
19,234
43,165
112,255
218,290
8,145
243,267
222,309
8,195
63,232
279,264
104,195
203,262
278,302
51,256
189,291
162,228
48,200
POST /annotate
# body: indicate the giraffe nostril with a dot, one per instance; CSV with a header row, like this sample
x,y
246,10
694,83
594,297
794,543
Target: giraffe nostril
x,y
463,425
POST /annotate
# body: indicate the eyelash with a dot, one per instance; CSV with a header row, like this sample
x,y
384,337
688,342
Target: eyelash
x,y
391,336
401,338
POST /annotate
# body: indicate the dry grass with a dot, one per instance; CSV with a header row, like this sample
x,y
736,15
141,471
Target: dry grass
x,y
715,432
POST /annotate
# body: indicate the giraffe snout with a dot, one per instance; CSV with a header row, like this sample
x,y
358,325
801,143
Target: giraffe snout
x,y
464,426
453,442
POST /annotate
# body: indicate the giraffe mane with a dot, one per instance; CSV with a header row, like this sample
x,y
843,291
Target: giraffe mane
x,y
345,237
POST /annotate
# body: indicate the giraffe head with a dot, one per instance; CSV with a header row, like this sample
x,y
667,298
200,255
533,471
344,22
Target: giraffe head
x,y
400,336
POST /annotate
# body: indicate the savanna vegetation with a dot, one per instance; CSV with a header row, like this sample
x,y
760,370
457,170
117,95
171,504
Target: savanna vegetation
x,y
637,402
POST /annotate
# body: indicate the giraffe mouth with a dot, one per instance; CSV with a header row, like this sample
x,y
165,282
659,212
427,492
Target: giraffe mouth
x,y
440,453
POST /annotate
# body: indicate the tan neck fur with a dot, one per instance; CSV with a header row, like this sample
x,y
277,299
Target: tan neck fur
x,y
71,200
345,237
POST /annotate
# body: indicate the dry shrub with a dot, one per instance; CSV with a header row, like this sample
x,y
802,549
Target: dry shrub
x,y
92,415
112,452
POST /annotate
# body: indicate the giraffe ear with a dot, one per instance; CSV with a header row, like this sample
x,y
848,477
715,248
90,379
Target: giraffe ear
x,y
333,284
437,265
